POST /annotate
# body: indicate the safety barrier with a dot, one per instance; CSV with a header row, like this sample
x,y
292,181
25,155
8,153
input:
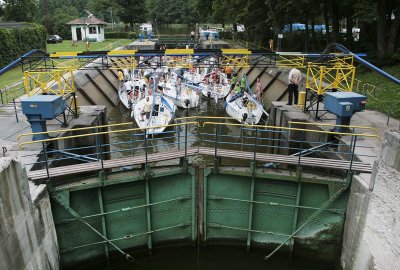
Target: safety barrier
x,y
116,146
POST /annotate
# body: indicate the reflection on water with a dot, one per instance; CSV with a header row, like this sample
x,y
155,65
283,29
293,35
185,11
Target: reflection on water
x,y
233,137
218,258
174,29
122,142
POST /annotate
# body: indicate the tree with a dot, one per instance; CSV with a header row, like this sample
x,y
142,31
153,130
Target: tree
x,y
63,15
132,11
102,8
204,8
387,26
173,11
20,10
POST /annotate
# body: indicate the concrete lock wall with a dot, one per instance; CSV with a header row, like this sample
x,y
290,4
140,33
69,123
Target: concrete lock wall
x,y
27,232
371,236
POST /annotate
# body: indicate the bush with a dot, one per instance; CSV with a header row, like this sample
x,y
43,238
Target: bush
x,y
14,42
115,35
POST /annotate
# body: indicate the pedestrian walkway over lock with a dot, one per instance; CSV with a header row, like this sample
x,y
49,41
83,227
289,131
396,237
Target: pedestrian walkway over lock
x,y
189,137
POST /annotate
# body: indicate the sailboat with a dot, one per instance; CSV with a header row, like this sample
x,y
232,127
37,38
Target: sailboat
x,y
180,93
215,85
131,92
161,112
245,108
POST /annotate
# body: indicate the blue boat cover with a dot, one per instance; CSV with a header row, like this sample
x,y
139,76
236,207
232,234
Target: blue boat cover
x,y
166,104
235,97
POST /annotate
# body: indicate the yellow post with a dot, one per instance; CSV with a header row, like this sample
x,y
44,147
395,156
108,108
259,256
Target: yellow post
x,y
72,81
26,84
337,78
321,75
57,78
352,78
308,77
301,99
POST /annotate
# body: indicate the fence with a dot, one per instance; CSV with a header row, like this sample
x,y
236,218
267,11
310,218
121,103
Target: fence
x,y
119,146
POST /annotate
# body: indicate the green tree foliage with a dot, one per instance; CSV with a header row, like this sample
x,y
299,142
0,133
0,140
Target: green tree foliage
x,y
104,9
204,8
61,17
173,11
20,10
132,11
56,13
15,42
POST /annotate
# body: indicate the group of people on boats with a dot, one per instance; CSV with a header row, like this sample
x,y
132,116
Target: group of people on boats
x,y
152,92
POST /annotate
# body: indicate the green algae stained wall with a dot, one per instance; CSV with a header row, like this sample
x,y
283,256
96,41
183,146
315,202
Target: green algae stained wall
x,y
263,212
221,208
126,220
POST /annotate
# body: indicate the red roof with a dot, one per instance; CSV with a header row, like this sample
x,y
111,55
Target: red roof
x,y
91,20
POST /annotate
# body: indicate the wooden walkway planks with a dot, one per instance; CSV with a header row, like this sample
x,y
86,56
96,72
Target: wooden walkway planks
x,y
109,164
174,154
291,160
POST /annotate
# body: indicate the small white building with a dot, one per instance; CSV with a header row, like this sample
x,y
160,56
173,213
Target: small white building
x,y
87,28
146,27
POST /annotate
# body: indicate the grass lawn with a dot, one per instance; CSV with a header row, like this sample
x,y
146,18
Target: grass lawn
x,y
386,96
66,45
15,74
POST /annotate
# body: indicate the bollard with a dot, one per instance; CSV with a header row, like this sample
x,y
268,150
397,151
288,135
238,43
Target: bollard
x,y
15,110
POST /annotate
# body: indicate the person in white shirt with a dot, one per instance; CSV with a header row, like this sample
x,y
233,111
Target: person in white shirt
x,y
293,87
146,109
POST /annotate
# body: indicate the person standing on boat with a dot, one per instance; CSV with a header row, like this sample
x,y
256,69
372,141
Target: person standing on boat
x,y
243,83
238,89
146,109
233,81
293,87
228,72
259,89
120,78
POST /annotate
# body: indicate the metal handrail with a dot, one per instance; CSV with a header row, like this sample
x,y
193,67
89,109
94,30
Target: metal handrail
x,y
21,145
295,129
336,125
204,117
113,125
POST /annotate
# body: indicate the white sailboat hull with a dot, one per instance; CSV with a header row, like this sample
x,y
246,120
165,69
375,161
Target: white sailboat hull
x,y
160,115
186,98
244,114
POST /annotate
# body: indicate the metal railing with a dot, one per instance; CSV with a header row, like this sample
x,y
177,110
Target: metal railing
x,y
116,142
11,92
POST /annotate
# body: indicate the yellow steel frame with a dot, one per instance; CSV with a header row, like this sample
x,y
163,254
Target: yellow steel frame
x,y
236,58
124,63
291,61
49,82
321,78
179,58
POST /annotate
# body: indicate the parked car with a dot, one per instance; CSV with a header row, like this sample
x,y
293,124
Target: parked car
x,y
54,39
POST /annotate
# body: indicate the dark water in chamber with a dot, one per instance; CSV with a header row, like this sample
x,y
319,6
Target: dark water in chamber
x,y
218,258
194,258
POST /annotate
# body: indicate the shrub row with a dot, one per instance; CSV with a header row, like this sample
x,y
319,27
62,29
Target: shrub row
x,y
14,42
126,35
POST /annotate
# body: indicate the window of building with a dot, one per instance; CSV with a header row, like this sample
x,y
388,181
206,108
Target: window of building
x,y
99,30
92,30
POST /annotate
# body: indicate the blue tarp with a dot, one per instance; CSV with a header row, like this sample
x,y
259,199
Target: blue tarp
x,y
235,97
165,102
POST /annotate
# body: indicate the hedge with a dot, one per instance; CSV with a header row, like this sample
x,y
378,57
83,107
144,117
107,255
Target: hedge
x,y
14,42
126,35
